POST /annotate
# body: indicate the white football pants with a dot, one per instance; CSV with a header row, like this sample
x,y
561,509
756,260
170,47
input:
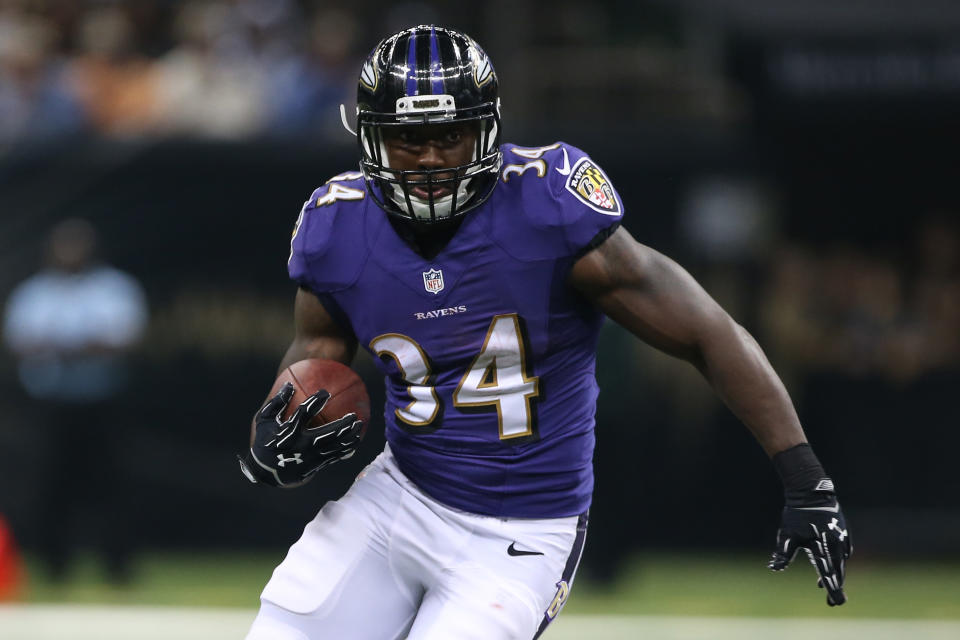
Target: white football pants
x,y
386,561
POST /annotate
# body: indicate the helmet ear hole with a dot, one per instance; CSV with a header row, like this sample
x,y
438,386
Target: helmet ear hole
x,y
428,75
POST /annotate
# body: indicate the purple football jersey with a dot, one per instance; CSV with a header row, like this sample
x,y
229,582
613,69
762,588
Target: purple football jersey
x,y
487,353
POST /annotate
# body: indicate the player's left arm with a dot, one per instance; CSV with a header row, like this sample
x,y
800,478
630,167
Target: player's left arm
x,y
657,300
653,297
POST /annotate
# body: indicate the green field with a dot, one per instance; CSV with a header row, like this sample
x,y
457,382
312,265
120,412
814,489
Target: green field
x,y
651,584
712,585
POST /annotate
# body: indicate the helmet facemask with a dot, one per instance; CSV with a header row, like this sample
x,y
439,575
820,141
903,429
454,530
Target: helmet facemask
x,y
467,185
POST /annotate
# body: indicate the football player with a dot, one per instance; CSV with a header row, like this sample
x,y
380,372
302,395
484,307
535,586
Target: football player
x,y
477,273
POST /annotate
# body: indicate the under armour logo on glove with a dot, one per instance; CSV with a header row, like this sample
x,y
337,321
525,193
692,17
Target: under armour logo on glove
x,y
835,525
282,462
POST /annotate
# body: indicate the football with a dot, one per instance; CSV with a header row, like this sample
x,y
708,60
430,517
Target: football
x,y
347,392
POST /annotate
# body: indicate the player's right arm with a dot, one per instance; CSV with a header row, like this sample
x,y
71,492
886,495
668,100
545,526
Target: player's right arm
x,y
288,453
317,335
323,259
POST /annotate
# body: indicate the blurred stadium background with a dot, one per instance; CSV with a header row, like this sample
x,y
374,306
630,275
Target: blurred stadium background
x,y
798,157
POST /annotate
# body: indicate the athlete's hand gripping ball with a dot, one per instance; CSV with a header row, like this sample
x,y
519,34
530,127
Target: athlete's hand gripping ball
x,y
286,453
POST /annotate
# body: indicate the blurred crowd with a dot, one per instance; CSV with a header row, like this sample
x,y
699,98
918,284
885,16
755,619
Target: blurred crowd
x,y
203,68
863,313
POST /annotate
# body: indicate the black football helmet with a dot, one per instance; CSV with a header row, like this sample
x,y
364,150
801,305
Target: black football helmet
x,y
428,75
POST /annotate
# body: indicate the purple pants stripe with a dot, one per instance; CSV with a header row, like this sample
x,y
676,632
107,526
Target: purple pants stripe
x,y
571,567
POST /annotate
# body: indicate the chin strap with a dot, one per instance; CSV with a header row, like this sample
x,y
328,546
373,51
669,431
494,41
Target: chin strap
x,y
421,208
343,119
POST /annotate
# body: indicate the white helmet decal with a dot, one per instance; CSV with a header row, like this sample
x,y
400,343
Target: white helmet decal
x,y
368,75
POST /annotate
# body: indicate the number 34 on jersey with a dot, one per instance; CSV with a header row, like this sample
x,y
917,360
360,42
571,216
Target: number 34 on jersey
x,y
498,378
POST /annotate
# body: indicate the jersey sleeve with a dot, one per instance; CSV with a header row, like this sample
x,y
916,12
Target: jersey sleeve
x,y
567,203
326,248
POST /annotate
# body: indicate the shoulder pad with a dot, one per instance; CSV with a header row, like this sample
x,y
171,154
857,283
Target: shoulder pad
x,y
327,247
562,197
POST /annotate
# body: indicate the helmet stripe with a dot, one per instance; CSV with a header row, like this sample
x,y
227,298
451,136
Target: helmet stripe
x,y
423,66
436,69
412,66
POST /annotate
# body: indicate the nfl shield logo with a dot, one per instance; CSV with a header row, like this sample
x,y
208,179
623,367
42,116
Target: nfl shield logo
x,y
433,280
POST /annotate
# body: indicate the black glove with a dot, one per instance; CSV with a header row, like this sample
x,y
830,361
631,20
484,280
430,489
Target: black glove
x,y
287,454
812,521
822,532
